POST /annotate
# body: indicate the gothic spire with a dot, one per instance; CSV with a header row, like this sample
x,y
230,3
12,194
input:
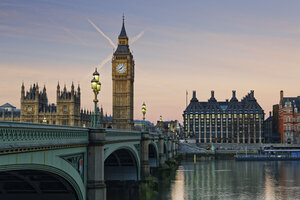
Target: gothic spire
x,y
123,31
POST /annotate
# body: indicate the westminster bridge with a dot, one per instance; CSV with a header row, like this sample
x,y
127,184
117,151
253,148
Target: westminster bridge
x,y
40,161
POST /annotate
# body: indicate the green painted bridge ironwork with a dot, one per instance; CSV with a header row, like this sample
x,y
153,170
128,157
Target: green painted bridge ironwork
x,y
63,162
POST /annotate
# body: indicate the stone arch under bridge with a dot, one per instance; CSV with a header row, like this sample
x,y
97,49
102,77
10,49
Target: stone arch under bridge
x,y
40,175
153,153
122,162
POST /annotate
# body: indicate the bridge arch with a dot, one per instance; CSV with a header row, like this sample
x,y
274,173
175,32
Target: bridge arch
x,y
51,161
35,181
122,162
153,154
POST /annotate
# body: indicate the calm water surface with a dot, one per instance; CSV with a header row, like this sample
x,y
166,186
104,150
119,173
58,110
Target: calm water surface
x,y
221,179
228,179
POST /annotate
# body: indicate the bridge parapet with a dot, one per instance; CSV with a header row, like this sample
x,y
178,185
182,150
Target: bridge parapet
x,y
21,136
113,135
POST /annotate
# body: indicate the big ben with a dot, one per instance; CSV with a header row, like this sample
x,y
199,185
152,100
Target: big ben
x,y
122,80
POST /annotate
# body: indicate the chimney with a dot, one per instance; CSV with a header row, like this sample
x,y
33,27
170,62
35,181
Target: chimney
x,y
212,94
252,93
281,95
194,94
270,114
233,93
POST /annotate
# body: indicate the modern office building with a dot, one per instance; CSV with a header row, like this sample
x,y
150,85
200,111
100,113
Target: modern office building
x,y
230,121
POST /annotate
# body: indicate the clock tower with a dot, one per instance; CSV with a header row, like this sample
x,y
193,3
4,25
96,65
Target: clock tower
x,y
122,80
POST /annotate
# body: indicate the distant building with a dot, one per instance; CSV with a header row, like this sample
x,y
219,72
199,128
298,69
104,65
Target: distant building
x,y
9,112
268,131
289,119
172,126
66,111
271,132
224,122
138,124
275,125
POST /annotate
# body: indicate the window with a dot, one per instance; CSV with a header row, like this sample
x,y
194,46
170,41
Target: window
x,y
288,127
287,119
65,109
298,119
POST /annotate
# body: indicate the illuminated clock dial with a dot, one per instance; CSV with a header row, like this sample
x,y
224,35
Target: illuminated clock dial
x,y
121,68
29,109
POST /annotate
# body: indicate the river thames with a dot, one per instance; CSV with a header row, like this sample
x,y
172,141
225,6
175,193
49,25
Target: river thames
x,y
220,179
228,179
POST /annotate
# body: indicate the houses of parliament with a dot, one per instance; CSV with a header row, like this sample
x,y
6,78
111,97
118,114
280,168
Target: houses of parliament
x,y
36,109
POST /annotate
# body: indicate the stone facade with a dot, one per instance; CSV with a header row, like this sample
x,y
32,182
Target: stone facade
x,y
9,113
36,109
289,119
122,80
224,122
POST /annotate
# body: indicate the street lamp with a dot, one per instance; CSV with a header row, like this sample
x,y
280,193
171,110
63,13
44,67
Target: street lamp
x,y
144,113
96,87
161,123
44,120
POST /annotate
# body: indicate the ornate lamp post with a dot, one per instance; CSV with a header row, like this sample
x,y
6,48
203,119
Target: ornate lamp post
x,y
144,113
44,120
161,123
96,86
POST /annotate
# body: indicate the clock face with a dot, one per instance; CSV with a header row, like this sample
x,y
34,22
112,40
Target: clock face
x,y
29,109
121,68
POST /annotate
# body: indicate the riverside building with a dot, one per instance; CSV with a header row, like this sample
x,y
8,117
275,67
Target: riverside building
x,y
230,121
289,119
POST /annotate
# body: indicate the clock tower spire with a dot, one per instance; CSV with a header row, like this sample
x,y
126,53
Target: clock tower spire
x,y
122,80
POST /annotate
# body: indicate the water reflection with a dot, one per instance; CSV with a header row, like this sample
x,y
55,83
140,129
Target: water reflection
x,y
227,179
178,186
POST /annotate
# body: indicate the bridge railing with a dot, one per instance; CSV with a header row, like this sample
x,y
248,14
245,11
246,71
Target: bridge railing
x,y
119,135
20,136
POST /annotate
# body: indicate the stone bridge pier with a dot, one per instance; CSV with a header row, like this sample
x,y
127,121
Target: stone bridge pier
x,y
145,155
170,152
161,150
96,188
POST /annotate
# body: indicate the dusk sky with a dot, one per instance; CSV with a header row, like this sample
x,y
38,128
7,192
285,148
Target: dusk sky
x,y
181,45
